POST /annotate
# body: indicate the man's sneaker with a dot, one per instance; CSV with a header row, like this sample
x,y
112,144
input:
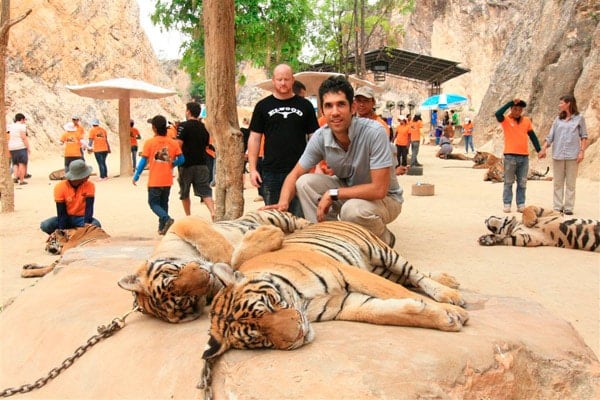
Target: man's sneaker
x,y
520,208
166,227
507,208
568,212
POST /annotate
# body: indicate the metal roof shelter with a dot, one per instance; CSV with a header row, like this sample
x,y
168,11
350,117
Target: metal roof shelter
x,y
406,64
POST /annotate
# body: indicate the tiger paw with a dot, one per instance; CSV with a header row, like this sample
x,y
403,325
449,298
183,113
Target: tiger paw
x,y
487,240
445,279
457,318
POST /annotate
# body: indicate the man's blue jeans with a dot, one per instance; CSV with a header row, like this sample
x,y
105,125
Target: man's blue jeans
x,y
271,189
101,160
516,168
51,224
158,199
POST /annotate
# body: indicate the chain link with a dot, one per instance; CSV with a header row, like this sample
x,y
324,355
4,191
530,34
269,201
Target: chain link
x,y
205,383
103,333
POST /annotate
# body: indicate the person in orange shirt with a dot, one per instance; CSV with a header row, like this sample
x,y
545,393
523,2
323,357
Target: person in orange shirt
x,y
401,140
365,106
74,199
468,135
98,143
134,136
516,128
71,138
161,153
414,131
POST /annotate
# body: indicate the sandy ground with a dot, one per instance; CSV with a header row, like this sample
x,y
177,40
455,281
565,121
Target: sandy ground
x,y
436,233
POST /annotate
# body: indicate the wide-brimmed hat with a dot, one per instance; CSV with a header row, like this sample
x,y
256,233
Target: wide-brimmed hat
x,y
365,91
70,127
78,170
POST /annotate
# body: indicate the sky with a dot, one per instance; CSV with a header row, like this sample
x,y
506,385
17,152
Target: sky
x,y
165,44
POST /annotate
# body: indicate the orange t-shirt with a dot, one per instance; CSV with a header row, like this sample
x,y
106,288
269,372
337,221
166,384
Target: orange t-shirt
x,y
134,133
72,142
74,198
172,131
402,135
415,130
160,151
98,136
322,120
516,140
468,129
377,118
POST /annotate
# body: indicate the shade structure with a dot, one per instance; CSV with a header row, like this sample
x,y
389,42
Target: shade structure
x,y
312,80
443,101
122,89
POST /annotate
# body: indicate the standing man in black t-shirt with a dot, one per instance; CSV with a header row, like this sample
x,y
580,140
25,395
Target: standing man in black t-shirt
x,y
193,139
285,120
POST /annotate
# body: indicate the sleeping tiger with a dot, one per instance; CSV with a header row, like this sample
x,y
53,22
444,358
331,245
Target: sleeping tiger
x,y
272,299
60,241
179,279
542,227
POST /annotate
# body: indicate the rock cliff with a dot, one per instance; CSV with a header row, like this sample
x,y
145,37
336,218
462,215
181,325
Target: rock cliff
x,y
69,43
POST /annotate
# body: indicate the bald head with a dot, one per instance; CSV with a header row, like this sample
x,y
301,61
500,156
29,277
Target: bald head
x,y
283,81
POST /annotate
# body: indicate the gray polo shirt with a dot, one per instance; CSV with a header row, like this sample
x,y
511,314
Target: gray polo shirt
x,y
369,149
565,137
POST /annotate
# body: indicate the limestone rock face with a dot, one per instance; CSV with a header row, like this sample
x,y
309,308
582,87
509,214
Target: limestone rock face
x,y
69,43
534,50
511,348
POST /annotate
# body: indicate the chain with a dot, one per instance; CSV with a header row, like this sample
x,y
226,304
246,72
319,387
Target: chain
x,y
205,383
103,333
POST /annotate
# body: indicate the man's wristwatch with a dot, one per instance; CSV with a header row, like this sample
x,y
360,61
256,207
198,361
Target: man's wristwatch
x,y
333,193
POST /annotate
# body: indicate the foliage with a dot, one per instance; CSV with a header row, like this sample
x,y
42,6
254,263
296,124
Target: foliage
x,y
342,28
267,32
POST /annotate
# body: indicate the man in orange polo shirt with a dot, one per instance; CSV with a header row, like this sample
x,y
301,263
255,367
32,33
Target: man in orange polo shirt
x,y
517,128
74,199
365,106
98,143
71,138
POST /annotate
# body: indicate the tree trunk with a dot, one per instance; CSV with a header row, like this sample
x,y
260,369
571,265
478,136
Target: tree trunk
x,y
222,119
126,164
7,189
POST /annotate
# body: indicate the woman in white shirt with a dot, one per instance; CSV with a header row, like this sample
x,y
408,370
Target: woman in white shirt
x,y
18,145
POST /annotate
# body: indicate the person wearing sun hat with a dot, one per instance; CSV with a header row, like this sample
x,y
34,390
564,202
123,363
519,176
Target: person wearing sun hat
x,y
74,197
516,128
71,138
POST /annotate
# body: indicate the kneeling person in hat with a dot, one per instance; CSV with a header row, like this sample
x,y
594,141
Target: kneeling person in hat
x,y
74,199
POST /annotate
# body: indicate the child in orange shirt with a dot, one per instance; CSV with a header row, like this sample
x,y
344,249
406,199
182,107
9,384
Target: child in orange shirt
x,y
161,153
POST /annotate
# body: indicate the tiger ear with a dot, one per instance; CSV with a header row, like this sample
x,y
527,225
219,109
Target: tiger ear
x,y
214,348
131,283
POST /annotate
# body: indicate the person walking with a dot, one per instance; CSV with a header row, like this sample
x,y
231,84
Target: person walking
x,y
364,188
193,139
285,120
161,153
71,139
134,136
468,135
516,128
401,141
74,197
569,138
98,144
18,146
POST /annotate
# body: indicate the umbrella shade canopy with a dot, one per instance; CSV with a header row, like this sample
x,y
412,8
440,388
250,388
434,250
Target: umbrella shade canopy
x,y
444,100
122,89
312,81
116,88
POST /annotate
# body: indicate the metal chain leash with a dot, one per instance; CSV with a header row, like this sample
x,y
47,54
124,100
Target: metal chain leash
x,y
103,333
205,383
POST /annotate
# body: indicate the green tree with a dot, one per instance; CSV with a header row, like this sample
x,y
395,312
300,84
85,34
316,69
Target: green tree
x,y
266,32
346,28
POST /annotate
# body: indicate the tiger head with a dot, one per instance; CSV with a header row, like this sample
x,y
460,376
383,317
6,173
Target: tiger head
x,y
254,313
501,225
56,240
480,157
171,289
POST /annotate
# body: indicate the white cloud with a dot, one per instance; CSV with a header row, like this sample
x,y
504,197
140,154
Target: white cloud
x,y
166,44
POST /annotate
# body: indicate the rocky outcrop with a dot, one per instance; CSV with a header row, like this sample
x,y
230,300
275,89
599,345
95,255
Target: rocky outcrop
x,y
510,349
69,43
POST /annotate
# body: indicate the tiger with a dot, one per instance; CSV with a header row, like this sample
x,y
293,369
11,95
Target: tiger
x,y
176,283
61,240
543,227
495,172
272,299
484,159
